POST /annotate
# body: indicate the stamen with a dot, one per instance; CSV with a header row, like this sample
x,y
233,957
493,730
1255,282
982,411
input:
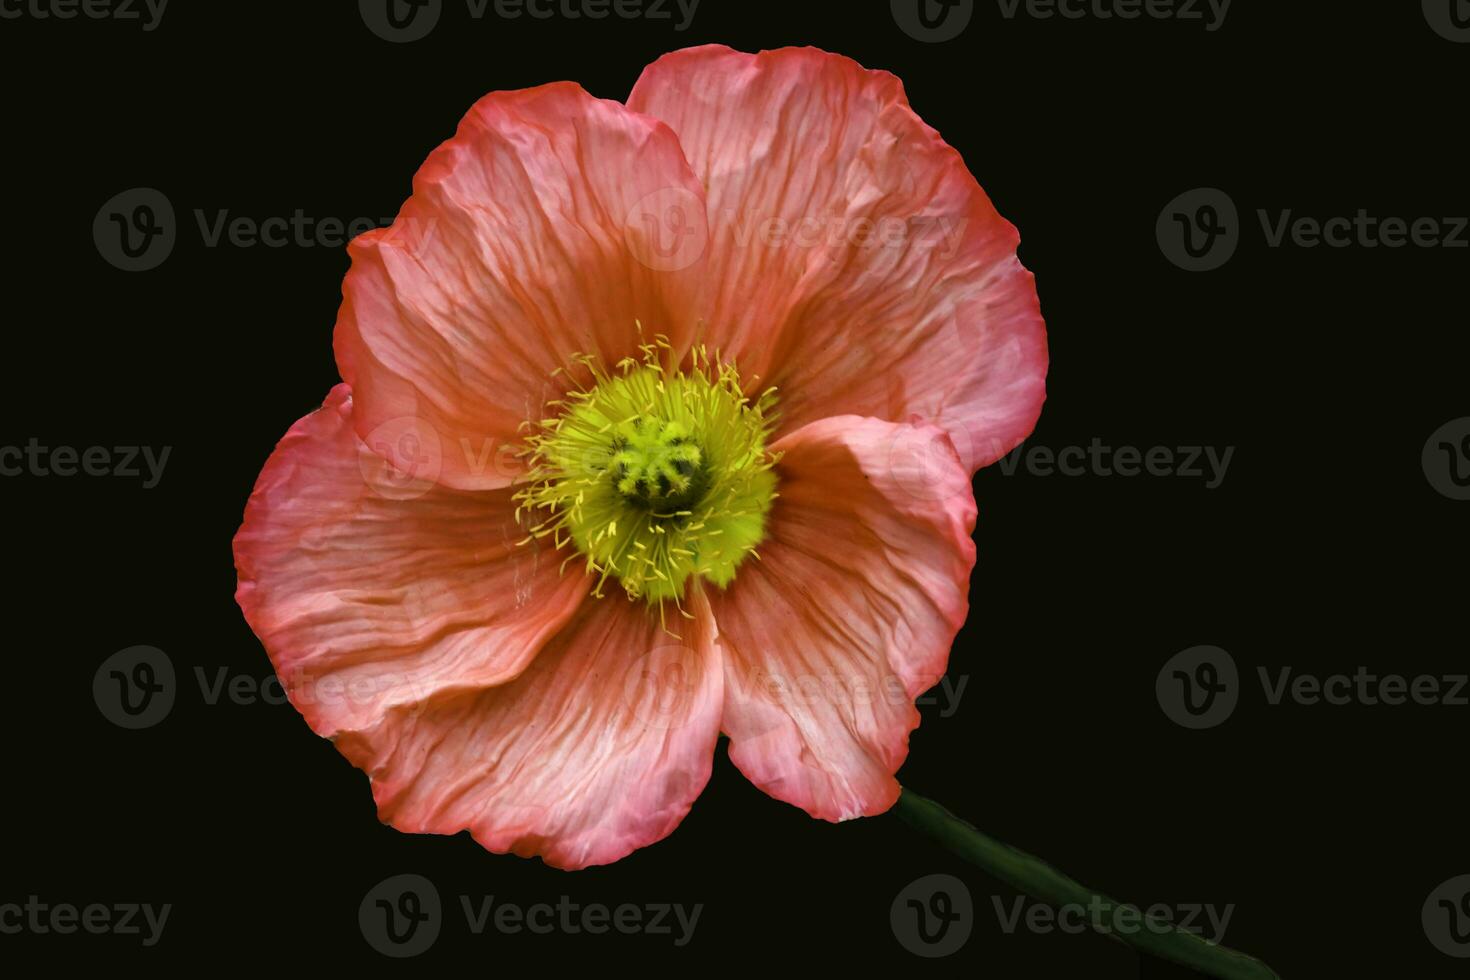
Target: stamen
x,y
624,468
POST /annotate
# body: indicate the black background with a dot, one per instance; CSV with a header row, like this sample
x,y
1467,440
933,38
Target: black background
x,y
1324,548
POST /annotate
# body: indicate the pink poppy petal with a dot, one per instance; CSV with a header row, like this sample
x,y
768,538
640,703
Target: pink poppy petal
x,y
850,613
524,244
599,748
853,260
370,589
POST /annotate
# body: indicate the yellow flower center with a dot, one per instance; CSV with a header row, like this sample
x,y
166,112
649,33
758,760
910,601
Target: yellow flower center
x,y
654,474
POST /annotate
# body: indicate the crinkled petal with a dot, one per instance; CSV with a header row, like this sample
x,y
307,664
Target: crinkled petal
x,y
599,748
853,260
526,242
850,613
371,588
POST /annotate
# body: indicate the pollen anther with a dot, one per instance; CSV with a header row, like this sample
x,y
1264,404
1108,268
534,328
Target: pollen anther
x,y
654,474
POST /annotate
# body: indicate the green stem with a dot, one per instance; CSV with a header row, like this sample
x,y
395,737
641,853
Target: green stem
x,y
1046,884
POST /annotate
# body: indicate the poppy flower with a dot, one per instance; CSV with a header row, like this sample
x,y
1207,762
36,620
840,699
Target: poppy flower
x,y
657,423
